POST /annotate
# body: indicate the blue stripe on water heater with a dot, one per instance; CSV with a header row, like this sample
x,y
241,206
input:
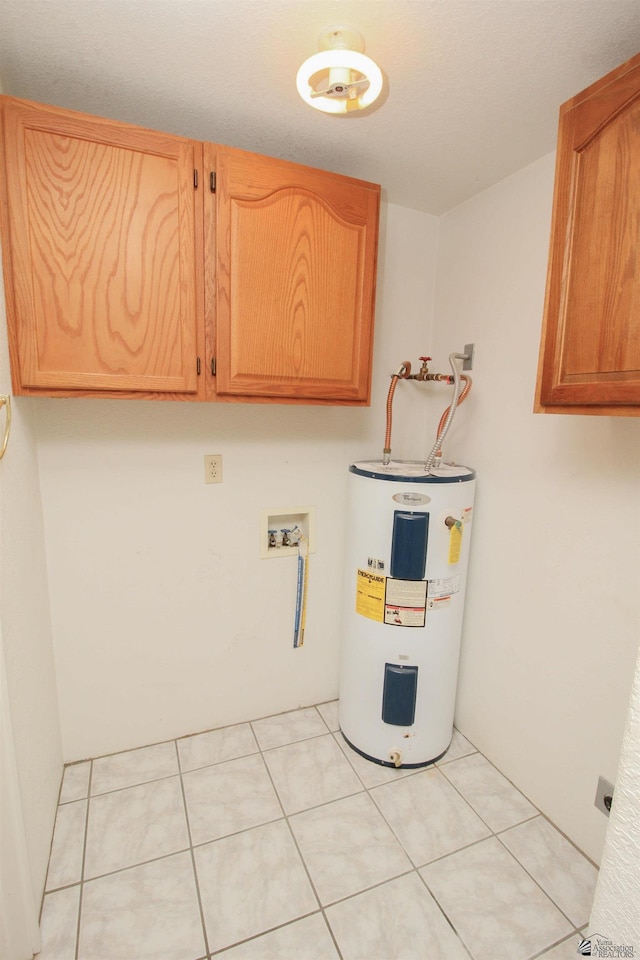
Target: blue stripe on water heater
x,y
399,694
409,545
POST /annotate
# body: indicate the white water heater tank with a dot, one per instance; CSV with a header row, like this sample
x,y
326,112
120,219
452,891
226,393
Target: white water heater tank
x,y
406,564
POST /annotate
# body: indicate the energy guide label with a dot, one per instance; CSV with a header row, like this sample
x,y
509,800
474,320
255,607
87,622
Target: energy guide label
x,y
370,588
405,602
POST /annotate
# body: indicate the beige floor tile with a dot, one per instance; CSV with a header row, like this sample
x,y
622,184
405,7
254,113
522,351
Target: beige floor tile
x,y
216,746
490,794
134,766
75,781
308,939
459,747
288,728
250,883
65,861
399,920
149,912
428,816
229,797
59,924
134,825
560,869
347,847
495,906
311,772
329,713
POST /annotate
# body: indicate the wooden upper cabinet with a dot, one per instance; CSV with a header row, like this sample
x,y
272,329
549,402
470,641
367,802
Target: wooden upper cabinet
x,y
295,279
100,267
126,277
590,351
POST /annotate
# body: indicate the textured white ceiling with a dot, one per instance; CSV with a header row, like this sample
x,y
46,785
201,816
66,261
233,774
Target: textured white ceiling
x,y
472,86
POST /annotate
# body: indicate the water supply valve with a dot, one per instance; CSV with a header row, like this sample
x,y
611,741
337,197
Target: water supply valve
x,y
424,368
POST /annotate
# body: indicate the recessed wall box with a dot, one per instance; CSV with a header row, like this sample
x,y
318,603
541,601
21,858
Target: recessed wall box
x,y
280,531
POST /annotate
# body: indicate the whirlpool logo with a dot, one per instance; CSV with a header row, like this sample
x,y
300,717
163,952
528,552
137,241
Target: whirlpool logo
x,y
411,499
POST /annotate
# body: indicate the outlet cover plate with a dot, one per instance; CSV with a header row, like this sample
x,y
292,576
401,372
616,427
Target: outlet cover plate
x,y
605,789
213,468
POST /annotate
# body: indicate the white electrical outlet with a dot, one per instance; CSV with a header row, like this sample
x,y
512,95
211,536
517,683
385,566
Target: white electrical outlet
x,y
213,468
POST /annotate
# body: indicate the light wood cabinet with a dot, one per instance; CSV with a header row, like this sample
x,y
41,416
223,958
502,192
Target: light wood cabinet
x,y
590,350
296,254
99,247
131,271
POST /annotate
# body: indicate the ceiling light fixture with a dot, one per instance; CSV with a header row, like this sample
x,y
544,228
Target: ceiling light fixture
x,y
339,79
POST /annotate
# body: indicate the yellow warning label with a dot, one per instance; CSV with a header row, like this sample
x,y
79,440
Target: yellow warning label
x,y
370,595
455,542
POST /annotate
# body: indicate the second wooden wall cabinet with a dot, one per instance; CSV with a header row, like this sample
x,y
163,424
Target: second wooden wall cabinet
x,y
590,351
139,264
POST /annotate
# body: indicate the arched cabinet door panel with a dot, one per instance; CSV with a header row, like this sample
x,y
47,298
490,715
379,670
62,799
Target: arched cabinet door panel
x,y
295,279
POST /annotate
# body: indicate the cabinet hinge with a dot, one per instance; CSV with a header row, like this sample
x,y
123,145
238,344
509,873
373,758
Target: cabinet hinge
x,y
213,366
198,366
212,181
195,179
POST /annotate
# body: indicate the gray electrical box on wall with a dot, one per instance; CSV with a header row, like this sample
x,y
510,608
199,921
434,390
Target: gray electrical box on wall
x,y
604,796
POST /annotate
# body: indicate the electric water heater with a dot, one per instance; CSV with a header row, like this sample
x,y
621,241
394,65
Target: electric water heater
x,y
406,562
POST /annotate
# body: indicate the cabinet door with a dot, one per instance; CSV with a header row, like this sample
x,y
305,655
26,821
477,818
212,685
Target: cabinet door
x,y
296,265
101,290
590,353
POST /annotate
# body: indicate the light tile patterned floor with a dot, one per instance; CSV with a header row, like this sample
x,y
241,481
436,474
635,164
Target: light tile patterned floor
x,y
275,841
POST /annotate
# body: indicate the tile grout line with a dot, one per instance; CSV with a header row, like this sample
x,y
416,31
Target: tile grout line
x,y
84,857
538,885
416,868
256,936
497,833
493,833
413,868
129,786
59,804
295,841
444,913
192,853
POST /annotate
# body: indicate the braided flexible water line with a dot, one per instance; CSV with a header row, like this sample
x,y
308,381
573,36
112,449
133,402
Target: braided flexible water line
x,y
450,413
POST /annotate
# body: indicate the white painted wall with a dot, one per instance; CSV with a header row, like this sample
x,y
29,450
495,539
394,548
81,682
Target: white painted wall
x,y
551,626
616,907
25,636
165,620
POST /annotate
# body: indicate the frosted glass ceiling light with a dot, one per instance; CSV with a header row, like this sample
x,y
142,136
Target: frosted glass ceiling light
x,y
339,79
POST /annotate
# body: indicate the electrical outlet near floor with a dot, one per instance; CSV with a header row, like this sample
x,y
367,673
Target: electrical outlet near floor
x,y
213,468
604,796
